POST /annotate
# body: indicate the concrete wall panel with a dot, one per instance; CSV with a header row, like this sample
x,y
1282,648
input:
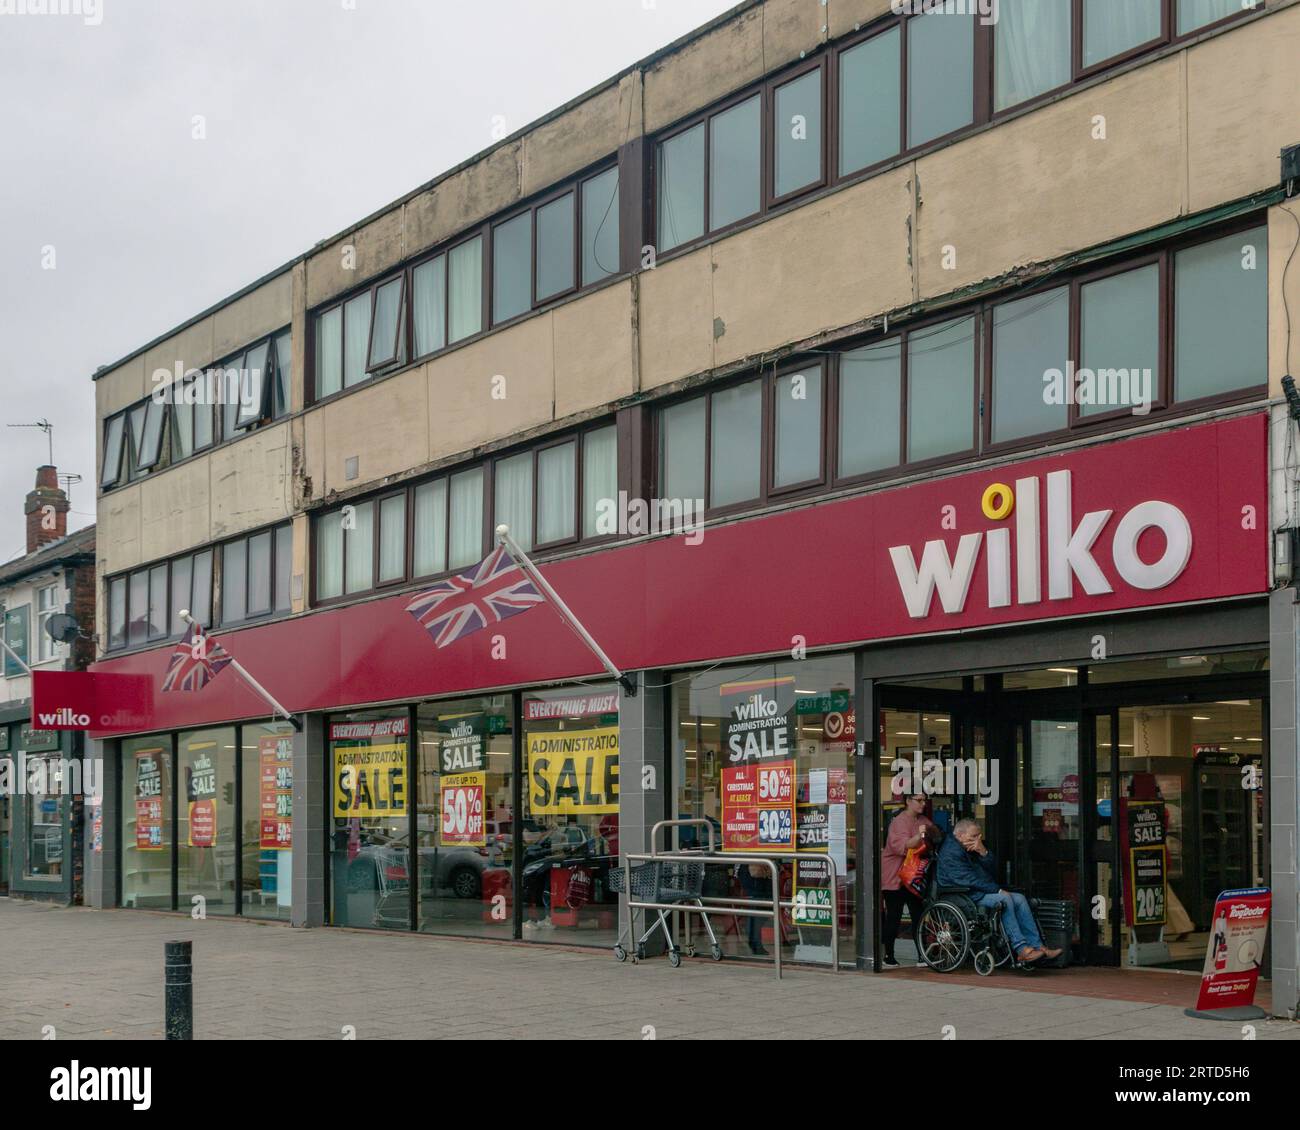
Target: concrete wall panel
x,y
593,350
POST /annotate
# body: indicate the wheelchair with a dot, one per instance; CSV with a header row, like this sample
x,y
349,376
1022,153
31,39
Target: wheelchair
x,y
953,928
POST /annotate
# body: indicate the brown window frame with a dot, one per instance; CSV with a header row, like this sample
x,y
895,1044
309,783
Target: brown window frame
x,y
147,570
393,356
219,575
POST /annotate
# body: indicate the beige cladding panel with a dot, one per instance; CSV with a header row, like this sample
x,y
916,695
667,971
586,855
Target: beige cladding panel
x,y
1242,94
1283,232
385,427
590,132
117,534
1041,186
846,15
469,407
249,482
119,387
265,310
828,264
464,199
174,510
356,258
189,349
706,69
593,350
675,316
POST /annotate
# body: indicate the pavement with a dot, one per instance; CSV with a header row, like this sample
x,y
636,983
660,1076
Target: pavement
x,y
91,974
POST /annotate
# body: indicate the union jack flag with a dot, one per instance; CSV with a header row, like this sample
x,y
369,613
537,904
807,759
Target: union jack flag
x,y
195,662
494,590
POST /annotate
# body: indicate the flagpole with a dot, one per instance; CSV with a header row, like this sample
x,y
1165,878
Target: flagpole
x,y
525,563
297,725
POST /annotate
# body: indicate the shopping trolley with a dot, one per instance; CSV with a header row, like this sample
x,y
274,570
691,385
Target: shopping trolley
x,y
667,881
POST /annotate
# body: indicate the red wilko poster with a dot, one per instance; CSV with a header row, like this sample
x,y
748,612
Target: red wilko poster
x,y
1236,949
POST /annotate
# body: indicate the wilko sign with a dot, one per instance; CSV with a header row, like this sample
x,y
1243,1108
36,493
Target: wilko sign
x,y
1070,546
84,700
1235,952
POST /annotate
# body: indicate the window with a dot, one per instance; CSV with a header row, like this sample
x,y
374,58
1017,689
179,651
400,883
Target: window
x,y
114,433
1031,49
557,483
158,602
512,258
361,337
255,385
870,106
117,613
254,575
600,227
744,442
429,312
283,375
870,409
430,549
329,352
599,480
392,539
46,606
735,147
513,480
940,75
1120,333
797,134
556,247
465,289
386,324
680,197
359,548
229,382
1031,337
941,390
465,539
1196,14
356,338
1221,315
17,629
1115,27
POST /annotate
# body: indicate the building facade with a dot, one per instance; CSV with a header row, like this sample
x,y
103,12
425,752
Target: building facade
x,y
881,389
42,808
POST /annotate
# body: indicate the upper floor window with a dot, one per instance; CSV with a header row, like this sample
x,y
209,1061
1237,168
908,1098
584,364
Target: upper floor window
x,y
145,605
47,604
1178,327
255,573
555,494
180,419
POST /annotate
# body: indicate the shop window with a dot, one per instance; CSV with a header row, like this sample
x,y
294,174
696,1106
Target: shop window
x,y
1031,338
1119,325
941,389
870,409
1196,14
1221,315
735,152
46,813
370,830
205,821
1115,27
793,725
600,227
797,134
870,106
512,268
146,842
266,820
940,75
1031,49
465,825
556,242
571,815
680,198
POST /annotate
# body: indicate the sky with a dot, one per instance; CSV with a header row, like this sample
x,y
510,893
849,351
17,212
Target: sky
x,y
117,222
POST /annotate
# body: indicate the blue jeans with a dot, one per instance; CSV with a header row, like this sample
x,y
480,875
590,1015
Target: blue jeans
x,y
1017,919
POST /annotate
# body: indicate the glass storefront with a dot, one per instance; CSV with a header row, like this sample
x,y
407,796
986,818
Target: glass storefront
x,y
266,820
205,821
45,819
765,754
369,758
464,818
146,824
570,817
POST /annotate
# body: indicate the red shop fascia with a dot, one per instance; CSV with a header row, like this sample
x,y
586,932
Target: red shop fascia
x,y
1169,518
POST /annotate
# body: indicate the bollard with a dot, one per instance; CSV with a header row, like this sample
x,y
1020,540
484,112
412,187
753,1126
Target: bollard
x,y
178,1023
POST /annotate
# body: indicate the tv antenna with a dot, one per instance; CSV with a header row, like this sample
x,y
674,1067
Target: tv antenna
x,y
47,428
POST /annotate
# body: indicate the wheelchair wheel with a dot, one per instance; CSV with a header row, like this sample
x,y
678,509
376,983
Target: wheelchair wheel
x,y
984,963
943,937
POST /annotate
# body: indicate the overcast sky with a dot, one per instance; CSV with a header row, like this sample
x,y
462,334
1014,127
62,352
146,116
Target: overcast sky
x,y
317,112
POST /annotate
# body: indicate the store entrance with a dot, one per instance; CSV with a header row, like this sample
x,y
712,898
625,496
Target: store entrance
x,y
1128,796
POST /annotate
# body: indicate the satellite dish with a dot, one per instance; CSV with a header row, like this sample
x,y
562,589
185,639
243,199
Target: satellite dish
x,y
62,627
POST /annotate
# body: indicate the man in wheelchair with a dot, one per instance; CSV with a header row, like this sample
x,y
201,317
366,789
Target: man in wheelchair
x,y
964,861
